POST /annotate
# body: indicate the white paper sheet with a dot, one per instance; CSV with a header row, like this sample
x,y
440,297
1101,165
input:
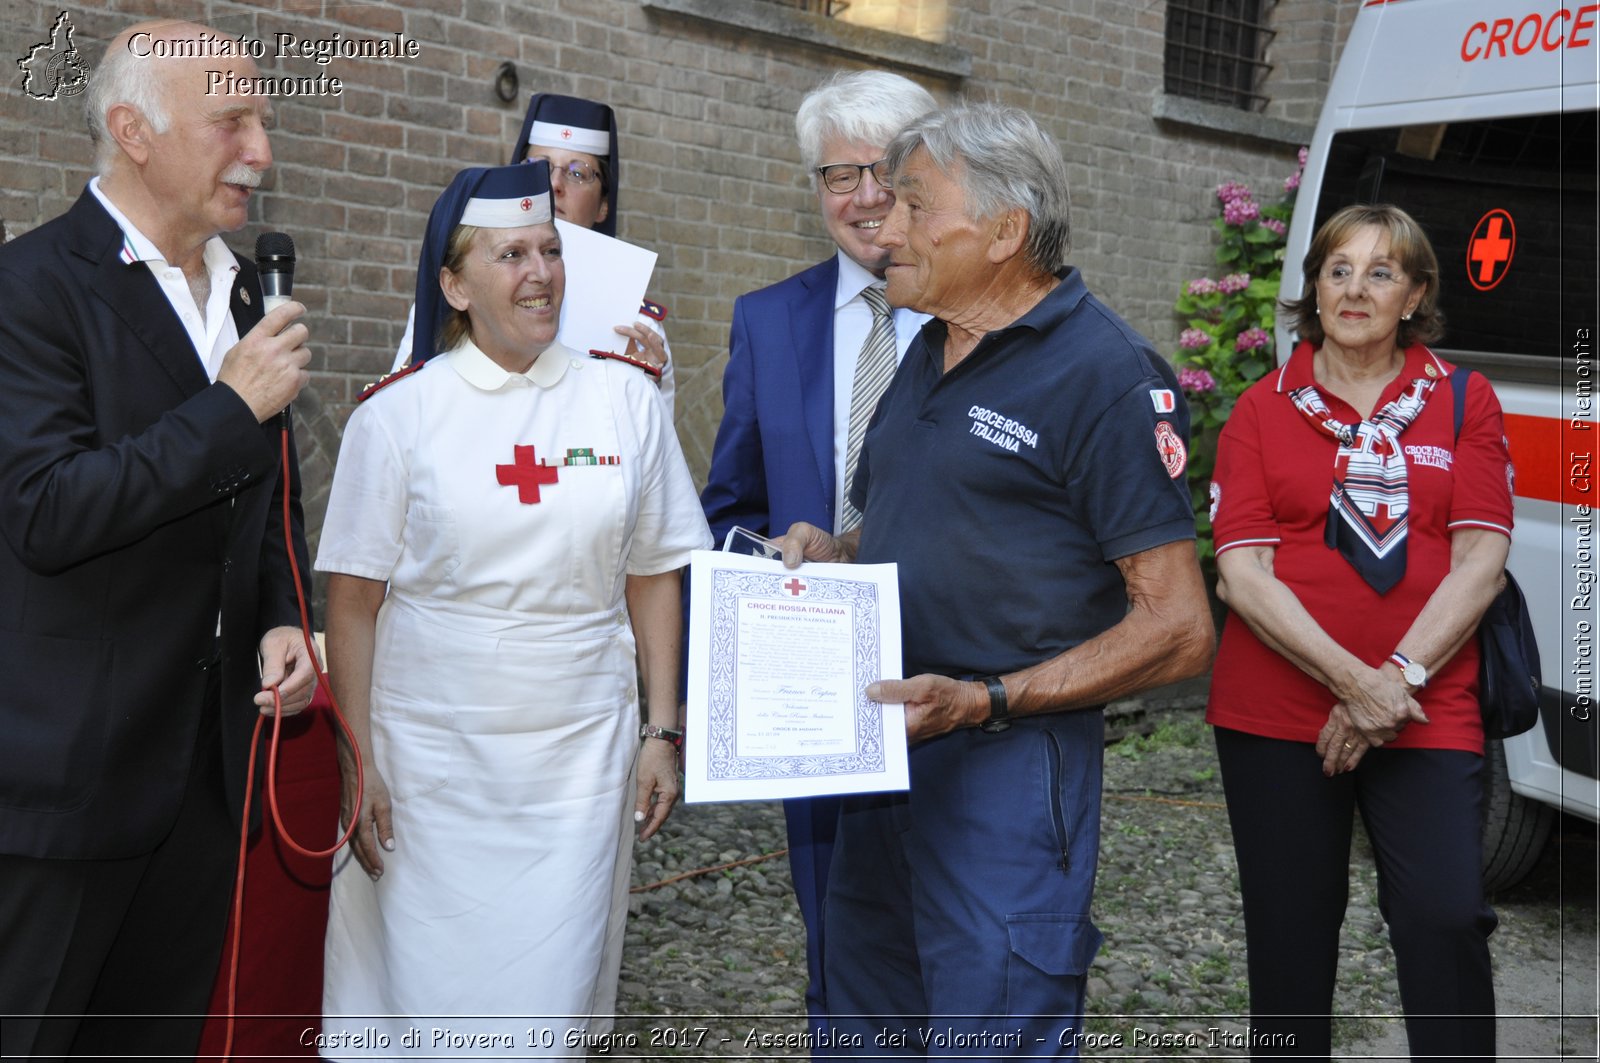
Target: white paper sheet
x,y
606,282
779,662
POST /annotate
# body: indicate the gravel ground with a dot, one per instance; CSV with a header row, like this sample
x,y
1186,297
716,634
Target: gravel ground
x,y
715,957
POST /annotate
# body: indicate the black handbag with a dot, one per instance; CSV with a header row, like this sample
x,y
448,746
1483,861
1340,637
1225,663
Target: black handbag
x,y
1508,668
1508,664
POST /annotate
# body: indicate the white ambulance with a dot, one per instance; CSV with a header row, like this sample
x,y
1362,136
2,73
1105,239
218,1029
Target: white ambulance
x,y
1478,118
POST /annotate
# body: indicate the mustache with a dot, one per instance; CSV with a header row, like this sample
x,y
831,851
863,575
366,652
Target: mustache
x,y
240,174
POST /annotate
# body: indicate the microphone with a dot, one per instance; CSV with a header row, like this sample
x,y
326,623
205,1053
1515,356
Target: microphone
x,y
275,263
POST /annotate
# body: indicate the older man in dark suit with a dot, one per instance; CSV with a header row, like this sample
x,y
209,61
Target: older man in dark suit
x,y
143,559
808,359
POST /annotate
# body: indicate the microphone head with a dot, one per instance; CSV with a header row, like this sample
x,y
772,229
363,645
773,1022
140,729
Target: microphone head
x,y
275,264
276,249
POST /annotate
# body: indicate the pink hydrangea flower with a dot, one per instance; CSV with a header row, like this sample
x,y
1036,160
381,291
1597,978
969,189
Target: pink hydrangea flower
x,y
1233,190
1251,339
1274,225
1202,286
1291,182
1234,282
1239,211
1196,381
1194,339
1302,158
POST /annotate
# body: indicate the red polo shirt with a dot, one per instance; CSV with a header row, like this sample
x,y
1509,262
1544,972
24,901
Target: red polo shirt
x,y
1273,476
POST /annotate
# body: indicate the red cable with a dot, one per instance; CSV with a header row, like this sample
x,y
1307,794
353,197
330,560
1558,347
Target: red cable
x,y
272,766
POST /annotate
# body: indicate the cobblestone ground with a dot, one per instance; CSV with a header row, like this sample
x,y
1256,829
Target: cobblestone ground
x,y
715,963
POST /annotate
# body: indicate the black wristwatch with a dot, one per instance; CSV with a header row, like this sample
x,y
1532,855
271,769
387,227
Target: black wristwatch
x,y
999,715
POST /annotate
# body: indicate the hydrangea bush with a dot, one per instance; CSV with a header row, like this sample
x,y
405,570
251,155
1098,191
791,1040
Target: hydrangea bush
x,y
1227,344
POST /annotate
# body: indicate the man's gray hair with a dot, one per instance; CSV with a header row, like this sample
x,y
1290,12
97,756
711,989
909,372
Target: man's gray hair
x,y
868,105
1002,160
122,77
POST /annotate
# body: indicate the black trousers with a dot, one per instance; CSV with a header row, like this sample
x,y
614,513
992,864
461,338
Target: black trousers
x,y
1291,834
86,941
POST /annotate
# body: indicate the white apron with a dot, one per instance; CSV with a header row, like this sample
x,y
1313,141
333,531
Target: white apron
x,y
512,793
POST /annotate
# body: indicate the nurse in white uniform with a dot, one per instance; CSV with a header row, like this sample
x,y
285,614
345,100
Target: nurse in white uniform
x,y
507,522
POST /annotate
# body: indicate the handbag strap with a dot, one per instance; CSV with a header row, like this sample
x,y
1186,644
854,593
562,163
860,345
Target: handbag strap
x,y
1458,384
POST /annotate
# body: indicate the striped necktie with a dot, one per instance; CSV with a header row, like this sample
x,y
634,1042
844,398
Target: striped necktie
x,y
874,368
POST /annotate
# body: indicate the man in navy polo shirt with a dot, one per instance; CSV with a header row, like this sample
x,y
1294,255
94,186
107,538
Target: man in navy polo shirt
x,y
1025,471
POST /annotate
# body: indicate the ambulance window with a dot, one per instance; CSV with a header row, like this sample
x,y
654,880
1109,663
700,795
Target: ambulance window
x,y
1538,173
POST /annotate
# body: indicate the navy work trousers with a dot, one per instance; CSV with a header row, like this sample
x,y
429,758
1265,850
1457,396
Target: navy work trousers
x,y
958,914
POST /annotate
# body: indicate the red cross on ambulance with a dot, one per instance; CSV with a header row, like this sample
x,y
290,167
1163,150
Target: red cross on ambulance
x,y
1489,251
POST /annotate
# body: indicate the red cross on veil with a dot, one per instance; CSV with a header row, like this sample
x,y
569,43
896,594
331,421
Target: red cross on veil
x,y
526,474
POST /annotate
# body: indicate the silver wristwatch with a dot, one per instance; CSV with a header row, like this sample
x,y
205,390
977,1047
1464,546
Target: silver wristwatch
x,y
1413,672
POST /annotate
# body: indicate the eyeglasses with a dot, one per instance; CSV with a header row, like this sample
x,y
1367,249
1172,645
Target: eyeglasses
x,y
1379,276
842,177
579,173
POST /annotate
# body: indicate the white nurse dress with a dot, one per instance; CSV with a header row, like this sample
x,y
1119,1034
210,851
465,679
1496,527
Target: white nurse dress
x,y
505,511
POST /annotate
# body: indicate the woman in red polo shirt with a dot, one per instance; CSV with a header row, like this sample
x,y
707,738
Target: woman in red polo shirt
x,y
1358,543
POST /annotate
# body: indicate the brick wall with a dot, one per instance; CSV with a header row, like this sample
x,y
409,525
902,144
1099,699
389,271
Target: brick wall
x,y
1309,36
710,172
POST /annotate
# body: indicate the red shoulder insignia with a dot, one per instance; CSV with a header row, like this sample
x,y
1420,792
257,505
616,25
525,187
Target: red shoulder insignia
x,y
387,379
637,363
654,311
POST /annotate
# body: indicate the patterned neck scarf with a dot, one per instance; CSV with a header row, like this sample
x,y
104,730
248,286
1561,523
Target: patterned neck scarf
x,y
1370,501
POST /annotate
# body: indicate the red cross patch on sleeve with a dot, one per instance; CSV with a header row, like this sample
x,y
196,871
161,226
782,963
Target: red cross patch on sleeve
x,y
1169,444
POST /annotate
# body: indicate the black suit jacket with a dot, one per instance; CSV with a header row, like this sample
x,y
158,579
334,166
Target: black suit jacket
x,y
139,501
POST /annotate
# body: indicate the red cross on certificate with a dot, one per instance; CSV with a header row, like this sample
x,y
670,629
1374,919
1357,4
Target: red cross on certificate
x,y
795,586
526,473
1493,243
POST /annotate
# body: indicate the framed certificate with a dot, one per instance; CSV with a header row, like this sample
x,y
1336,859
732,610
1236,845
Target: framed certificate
x,y
779,662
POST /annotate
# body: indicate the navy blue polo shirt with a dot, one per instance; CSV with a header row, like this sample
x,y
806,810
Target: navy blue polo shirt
x,y
1006,488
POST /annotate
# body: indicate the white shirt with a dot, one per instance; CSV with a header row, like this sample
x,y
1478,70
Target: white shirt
x,y
852,323
212,333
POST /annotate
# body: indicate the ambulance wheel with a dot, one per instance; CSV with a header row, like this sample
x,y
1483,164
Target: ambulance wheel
x,y
1515,828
